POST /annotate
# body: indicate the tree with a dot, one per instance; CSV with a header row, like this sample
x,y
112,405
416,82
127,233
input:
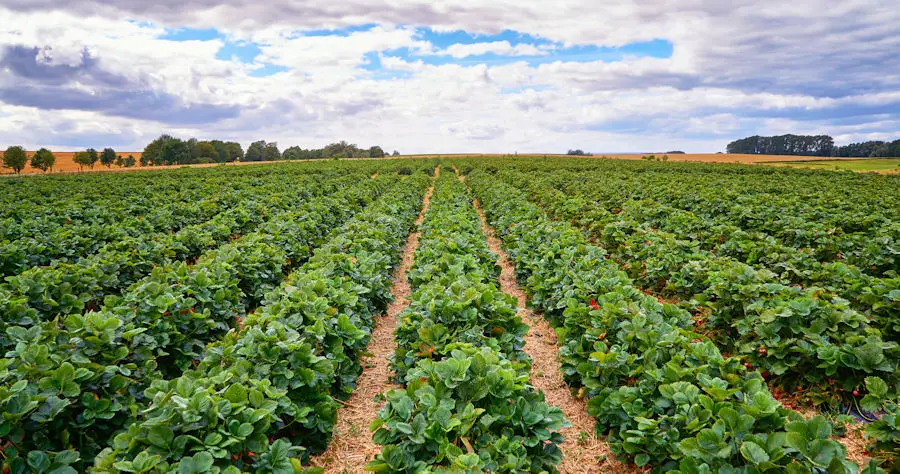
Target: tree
x,y
120,161
221,149
293,153
205,152
15,158
43,160
108,157
255,152
577,152
235,151
82,159
92,157
395,153
153,152
270,152
804,145
376,152
129,162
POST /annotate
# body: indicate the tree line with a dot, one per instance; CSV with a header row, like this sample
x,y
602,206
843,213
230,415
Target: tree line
x,y
168,150
812,145
16,158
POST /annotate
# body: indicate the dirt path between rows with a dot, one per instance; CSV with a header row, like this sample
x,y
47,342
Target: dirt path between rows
x,y
583,452
352,447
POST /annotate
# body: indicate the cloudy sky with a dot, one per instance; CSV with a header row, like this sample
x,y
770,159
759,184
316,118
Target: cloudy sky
x,y
447,76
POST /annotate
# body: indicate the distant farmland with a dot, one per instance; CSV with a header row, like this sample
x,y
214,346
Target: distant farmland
x,y
65,163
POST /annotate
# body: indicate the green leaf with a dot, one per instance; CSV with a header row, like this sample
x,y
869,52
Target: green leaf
x,y
754,452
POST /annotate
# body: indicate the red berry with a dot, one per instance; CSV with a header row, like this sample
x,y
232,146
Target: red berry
x,y
748,366
856,393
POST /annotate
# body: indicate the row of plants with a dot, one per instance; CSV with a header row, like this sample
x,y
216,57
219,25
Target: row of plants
x,y
663,394
804,339
826,217
467,405
697,237
42,293
265,395
75,380
76,225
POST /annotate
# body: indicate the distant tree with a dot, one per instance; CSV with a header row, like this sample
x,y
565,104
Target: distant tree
x,y
82,159
255,152
578,152
270,152
130,161
93,157
235,151
675,152
293,153
221,151
802,145
43,160
395,153
15,158
205,152
360,154
120,161
108,157
376,152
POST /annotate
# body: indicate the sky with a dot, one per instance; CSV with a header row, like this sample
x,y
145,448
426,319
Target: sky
x,y
451,76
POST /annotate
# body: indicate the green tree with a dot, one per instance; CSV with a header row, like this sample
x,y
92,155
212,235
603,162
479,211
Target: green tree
x,y
205,152
376,152
15,158
43,160
293,153
270,152
235,151
395,153
120,161
255,152
108,157
130,161
82,159
93,157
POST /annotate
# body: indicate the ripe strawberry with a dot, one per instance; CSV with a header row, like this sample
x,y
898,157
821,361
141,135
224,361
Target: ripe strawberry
x,y
856,393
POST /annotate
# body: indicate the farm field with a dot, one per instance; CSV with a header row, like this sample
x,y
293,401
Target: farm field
x,y
870,164
453,314
66,164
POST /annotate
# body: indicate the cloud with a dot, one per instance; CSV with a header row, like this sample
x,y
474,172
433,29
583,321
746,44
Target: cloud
x,y
451,76
31,78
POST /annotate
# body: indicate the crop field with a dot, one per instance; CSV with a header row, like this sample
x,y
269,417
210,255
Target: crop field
x,y
451,314
870,164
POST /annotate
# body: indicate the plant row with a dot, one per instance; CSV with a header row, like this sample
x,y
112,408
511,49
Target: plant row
x,y
75,380
467,405
805,339
826,216
266,393
697,237
663,394
79,224
43,293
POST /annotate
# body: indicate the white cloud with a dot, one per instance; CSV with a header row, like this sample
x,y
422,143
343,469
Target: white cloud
x,y
739,68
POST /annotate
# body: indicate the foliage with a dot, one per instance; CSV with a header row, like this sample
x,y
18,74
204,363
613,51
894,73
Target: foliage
x,y
107,157
663,393
43,160
15,158
818,145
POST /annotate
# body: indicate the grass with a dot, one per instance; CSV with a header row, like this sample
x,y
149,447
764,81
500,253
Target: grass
x,y
872,164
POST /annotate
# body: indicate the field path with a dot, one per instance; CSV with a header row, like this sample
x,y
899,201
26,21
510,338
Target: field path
x,y
352,447
583,452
